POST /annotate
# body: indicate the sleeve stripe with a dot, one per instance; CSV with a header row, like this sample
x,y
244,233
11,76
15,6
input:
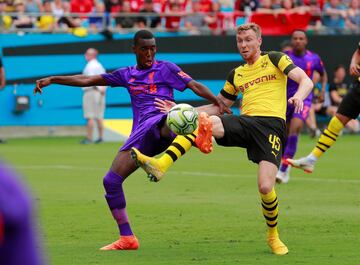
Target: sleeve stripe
x,y
230,77
227,95
275,57
289,68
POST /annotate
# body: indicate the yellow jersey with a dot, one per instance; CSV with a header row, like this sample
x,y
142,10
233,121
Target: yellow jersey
x,y
262,84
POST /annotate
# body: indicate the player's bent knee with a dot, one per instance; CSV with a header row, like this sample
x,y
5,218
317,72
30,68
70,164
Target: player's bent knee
x,y
111,185
265,188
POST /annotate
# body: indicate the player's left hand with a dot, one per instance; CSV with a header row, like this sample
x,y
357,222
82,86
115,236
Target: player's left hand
x,y
164,105
298,104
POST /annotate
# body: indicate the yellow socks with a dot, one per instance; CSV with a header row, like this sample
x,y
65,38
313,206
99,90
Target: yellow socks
x,y
269,203
270,209
328,137
180,145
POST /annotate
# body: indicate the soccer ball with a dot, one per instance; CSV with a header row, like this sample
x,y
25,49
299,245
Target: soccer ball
x,y
182,119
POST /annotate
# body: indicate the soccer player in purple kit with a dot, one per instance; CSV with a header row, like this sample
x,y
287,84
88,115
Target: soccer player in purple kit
x,y
18,236
309,62
147,80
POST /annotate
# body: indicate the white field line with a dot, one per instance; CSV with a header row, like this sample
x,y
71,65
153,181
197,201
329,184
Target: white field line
x,y
198,173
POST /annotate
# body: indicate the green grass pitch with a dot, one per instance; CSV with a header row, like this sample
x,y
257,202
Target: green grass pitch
x,y
205,211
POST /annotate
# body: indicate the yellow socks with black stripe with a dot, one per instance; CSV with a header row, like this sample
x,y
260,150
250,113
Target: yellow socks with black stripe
x,y
180,145
270,209
269,203
328,137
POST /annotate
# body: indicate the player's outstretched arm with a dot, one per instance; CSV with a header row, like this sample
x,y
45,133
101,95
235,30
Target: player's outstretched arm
x,y
71,80
165,106
218,107
305,87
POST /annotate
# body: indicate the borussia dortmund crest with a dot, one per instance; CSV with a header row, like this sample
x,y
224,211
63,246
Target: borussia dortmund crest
x,y
264,64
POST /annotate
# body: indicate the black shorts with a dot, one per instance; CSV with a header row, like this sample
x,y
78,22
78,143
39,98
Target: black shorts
x,y
350,105
322,111
263,137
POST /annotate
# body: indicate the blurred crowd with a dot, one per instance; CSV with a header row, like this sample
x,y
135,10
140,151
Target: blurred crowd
x,y
192,16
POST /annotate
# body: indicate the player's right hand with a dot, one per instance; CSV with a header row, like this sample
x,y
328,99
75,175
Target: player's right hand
x,y
223,107
354,69
40,84
164,105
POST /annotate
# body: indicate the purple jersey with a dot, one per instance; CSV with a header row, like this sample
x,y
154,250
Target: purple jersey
x,y
309,62
18,244
145,85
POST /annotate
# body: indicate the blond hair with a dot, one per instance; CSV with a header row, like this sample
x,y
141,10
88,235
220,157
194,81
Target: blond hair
x,y
250,26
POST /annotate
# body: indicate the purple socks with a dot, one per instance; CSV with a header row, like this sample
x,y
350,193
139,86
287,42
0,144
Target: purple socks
x,y
115,198
290,150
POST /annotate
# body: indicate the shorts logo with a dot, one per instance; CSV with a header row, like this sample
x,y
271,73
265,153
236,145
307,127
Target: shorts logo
x,y
275,142
275,154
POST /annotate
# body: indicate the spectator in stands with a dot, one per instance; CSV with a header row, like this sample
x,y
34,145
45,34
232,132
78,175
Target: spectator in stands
x,y
94,98
265,7
112,6
227,10
47,21
99,20
194,20
22,20
5,20
58,8
214,18
353,15
338,89
125,21
10,6
81,6
61,10
314,9
33,6
173,18
244,5
335,14
149,21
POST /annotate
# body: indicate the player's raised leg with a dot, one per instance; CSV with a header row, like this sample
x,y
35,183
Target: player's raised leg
x,y
115,197
270,208
156,167
326,140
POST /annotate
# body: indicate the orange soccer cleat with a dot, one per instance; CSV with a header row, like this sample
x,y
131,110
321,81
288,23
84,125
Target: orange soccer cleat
x,y
123,243
204,138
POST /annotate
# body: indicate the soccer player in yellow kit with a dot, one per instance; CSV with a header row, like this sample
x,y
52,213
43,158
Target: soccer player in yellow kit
x,y
261,127
349,109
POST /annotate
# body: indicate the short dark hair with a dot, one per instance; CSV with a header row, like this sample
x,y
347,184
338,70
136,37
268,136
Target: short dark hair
x,y
142,34
301,30
337,67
